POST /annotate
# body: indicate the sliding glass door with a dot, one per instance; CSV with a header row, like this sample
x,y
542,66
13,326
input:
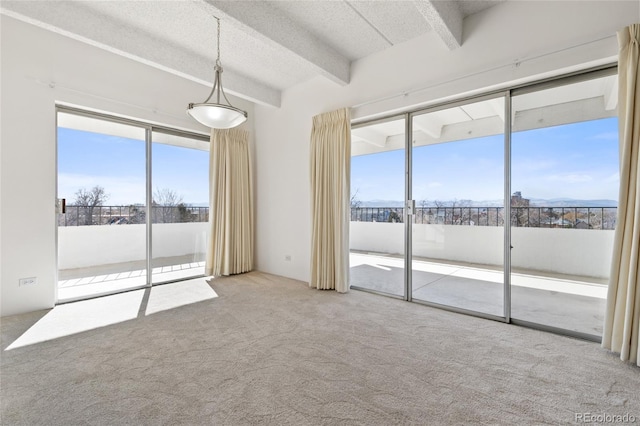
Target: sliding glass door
x,y
510,204
458,224
101,232
565,179
377,227
179,207
133,204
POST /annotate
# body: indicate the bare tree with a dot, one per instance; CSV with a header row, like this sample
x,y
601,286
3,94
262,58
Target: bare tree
x,y
166,204
87,201
419,215
461,211
441,212
609,218
354,201
137,213
455,212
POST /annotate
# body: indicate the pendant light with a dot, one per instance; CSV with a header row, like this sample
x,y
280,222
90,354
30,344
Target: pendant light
x,y
217,115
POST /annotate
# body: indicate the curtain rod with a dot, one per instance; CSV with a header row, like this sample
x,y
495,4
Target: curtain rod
x,y
54,85
516,63
155,111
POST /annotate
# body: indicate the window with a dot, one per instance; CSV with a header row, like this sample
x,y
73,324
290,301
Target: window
x,y
124,227
513,210
565,179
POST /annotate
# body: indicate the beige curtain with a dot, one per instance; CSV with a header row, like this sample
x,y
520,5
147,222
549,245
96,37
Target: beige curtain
x,y
622,319
230,248
330,186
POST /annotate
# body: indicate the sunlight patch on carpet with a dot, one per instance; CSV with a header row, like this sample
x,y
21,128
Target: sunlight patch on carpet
x,y
169,296
77,317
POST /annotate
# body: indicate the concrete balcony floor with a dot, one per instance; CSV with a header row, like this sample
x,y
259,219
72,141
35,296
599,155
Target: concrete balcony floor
x,y
82,283
569,302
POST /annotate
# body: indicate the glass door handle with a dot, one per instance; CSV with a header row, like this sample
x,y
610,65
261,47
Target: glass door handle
x,y
410,207
61,206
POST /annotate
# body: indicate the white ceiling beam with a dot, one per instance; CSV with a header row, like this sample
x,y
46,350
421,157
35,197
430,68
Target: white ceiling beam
x,y
263,22
369,136
86,26
445,18
395,142
428,126
497,106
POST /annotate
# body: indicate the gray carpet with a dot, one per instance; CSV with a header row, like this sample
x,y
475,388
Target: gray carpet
x,y
269,350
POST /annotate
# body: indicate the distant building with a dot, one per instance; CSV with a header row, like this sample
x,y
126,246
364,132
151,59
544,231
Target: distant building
x,y
518,201
561,223
581,224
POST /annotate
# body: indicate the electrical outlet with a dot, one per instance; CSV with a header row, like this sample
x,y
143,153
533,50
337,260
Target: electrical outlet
x,y
27,281
287,258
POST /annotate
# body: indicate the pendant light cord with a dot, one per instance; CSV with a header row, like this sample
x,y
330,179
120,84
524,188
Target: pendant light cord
x,y
218,42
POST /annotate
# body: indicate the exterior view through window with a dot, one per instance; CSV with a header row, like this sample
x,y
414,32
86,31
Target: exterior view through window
x,y
180,206
103,235
565,178
377,191
559,178
458,228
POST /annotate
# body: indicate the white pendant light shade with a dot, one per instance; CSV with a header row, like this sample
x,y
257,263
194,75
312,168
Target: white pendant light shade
x,y
217,116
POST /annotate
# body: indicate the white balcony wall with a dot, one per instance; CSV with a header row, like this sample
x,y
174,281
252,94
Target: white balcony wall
x,y
88,246
581,252
180,239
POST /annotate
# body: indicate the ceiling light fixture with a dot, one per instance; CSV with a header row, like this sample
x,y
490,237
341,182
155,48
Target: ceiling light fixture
x,y
217,115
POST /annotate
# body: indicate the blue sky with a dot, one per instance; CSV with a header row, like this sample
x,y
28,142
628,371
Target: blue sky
x,y
578,161
117,164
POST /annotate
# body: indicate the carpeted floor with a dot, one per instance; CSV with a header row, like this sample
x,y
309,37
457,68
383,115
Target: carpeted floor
x,y
269,350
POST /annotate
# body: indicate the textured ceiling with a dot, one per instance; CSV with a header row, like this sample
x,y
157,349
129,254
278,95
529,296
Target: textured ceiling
x,y
266,46
357,28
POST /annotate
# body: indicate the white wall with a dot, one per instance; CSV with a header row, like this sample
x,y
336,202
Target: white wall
x,y
512,42
582,252
33,60
87,246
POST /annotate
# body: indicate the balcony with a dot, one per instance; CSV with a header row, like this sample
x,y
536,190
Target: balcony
x,y
560,260
103,250
457,257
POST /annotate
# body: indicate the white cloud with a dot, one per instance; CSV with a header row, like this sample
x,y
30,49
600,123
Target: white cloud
x,y
614,178
606,136
533,165
570,178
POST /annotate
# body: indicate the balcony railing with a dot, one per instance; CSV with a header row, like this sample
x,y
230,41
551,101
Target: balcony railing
x,y
125,215
529,217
